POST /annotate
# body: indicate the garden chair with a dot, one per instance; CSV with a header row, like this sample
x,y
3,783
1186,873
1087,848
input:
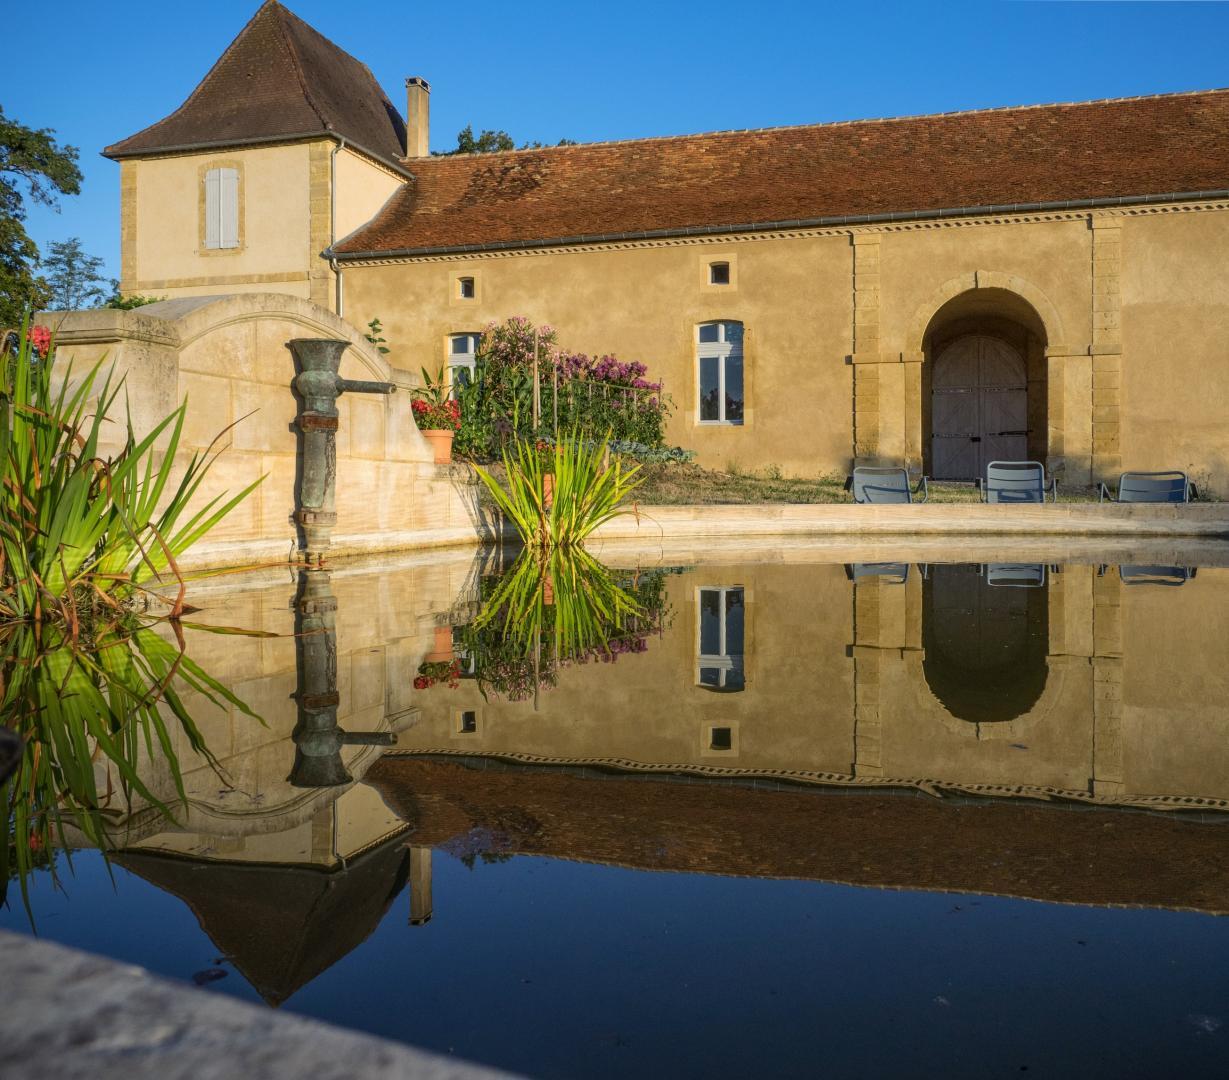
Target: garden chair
x,y
1161,487
879,485
1017,482
1016,575
1156,575
892,573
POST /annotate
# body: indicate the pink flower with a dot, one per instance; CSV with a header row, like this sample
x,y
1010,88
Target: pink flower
x,y
40,339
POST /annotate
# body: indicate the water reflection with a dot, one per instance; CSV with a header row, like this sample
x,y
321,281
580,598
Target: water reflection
x,y
888,724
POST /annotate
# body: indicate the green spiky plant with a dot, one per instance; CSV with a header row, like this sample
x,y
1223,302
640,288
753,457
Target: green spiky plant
x,y
116,697
79,531
590,487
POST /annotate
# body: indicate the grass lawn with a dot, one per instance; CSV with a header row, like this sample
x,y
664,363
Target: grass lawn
x,y
673,485
690,484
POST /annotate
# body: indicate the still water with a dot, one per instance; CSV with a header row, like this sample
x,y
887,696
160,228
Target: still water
x,y
794,816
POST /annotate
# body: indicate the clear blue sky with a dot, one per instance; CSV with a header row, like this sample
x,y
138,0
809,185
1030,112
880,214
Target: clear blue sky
x,y
96,72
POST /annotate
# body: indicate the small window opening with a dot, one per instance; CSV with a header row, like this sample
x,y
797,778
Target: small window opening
x,y
468,722
465,288
719,273
720,738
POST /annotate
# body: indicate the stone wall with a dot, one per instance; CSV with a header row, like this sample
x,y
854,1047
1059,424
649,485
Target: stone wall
x,y
227,357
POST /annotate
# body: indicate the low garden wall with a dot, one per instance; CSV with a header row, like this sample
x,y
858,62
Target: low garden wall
x,y
227,356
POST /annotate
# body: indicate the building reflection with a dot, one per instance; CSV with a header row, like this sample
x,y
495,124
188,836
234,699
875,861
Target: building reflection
x,y
890,724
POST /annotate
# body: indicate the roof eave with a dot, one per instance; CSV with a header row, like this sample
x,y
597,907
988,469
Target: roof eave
x,y
767,226
262,140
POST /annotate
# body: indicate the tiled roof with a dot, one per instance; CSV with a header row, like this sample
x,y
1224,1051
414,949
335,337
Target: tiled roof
x,y
1009,847
1130,147
279,79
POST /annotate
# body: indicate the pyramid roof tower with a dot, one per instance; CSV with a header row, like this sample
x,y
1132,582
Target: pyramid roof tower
x,y
278,81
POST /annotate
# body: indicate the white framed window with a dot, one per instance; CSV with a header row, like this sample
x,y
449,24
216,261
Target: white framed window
x,y
465,288
462,356
719,370
222,208
720,630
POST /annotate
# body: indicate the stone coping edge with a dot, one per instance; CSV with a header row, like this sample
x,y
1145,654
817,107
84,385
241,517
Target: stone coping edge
x,y
78,1016
948,519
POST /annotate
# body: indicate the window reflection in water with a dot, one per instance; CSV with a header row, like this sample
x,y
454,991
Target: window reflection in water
x,y
720,659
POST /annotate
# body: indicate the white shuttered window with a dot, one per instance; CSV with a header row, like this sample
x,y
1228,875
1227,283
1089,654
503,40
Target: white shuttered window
x,y
222,208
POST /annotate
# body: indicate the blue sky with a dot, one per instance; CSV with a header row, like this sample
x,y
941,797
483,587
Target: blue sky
x,y
593,71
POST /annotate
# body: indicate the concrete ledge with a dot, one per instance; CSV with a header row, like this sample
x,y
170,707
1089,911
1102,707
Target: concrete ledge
x,y
75,1016
654,523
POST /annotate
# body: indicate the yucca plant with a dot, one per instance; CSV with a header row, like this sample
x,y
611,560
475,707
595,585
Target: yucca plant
x,y
79,530
116,698
588,487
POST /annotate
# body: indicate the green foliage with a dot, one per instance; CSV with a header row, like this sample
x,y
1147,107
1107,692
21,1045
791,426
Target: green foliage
x,y
33,158
490,142
433,408
112,698
119,302
587,488
545,614
75,278
577,392
375,334
77,530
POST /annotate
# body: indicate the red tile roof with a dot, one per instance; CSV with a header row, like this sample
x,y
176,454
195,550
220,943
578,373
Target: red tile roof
x,y
278,80
1098,150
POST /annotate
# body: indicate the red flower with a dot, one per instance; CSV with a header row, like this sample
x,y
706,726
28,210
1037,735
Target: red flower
x,y
40,339
422,682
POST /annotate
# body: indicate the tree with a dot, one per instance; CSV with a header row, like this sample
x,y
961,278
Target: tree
x,y
74,277
48,170
491,142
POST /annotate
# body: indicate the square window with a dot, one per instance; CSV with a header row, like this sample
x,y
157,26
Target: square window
x,y
465,288
719,273
720,738
709,332
467,723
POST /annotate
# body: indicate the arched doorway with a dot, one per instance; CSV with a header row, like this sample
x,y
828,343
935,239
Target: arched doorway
x,y
984,390
985,635
978,407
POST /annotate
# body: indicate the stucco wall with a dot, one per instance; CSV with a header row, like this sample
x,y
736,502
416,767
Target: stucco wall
x,y
227,356
167,251
362,188
836,323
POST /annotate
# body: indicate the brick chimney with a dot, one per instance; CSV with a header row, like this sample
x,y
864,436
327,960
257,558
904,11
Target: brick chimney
x,y
417,117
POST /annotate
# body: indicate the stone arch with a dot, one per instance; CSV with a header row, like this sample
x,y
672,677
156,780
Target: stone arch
x,y
983,279
195,316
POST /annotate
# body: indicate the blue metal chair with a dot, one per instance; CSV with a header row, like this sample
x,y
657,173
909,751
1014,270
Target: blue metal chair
x,y
1017,482
1016,575
1156,575
1156,487
879,485
889,572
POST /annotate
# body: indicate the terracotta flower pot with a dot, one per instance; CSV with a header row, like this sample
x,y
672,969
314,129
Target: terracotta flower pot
x,y
441,648
440,441
548,490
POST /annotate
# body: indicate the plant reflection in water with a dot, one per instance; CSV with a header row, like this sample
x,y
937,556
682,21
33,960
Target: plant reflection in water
x,y
548,613
113,696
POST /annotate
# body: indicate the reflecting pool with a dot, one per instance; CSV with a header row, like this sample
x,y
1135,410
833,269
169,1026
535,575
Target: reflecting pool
x,y
695,813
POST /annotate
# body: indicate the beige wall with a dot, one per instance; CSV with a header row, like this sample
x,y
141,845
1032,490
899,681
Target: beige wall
x,y
227,357
362,188
1113,294
166,199
836,685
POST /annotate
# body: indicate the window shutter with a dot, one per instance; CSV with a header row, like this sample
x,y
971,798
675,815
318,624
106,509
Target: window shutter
x,y
213,208
229,199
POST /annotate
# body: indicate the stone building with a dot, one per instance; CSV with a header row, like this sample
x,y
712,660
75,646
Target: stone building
x,y
1048,281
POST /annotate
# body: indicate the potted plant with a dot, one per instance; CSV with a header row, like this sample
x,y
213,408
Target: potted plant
x,y
437,415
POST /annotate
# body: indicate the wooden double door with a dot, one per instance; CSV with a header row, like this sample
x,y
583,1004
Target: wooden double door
x,y
978,407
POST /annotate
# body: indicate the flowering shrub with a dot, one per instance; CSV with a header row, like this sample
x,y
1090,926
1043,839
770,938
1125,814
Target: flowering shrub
x,y
582,393
445,416
432,408
438,671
